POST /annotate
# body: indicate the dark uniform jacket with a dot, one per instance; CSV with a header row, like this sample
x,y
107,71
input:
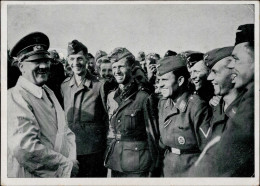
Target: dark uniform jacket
x,y
184,129
232,152
133,132
220,117
85,113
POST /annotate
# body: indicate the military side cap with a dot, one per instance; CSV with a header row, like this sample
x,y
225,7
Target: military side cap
x,y
170,63
192,57
140,56
170,53
245,33
75,47
118,54
100,54
32,47
213,56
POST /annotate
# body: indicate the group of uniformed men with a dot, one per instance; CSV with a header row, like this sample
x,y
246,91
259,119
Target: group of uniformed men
x,y
184,115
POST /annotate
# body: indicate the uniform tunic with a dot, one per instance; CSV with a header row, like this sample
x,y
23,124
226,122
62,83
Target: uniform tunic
x,y
232,152
133,147
40,144
86,117
85,114
184,129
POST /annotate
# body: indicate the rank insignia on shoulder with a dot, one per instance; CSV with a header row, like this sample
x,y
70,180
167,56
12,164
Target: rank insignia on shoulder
x,y
181,140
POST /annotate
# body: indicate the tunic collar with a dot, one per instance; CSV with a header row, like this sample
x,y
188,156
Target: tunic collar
x,y
86,82
30,87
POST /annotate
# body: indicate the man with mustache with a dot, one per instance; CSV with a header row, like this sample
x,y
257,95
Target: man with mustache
x,y
133,129
231,153
40,144
85,112
183,118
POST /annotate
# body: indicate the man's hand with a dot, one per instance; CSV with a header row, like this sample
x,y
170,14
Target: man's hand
x,y
214,100
75,168
151,71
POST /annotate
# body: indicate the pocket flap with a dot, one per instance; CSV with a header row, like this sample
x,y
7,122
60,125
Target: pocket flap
x,y
136,146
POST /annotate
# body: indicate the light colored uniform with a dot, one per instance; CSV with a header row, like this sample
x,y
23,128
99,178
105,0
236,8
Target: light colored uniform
x,y
40,144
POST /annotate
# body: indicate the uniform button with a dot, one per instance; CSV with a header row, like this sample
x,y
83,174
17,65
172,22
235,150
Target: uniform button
x,y
132,115
136,148
118,141
119,121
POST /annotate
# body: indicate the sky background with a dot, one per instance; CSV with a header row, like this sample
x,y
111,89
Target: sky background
x,y
147,27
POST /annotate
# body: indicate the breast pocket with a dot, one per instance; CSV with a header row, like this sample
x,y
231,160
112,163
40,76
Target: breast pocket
x,y
131,119
135,157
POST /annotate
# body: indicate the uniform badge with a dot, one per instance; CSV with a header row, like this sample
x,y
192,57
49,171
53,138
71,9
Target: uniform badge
x,y
181,140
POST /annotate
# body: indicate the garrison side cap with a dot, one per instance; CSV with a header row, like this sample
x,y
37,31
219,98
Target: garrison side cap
x,y
212,57
170,63
245,33
75,47
31,47
118,54
100,54
192,57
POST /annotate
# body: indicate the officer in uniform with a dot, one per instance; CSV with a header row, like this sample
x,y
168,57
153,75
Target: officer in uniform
x,y
183,118
85,112
232,152
40,144
133,126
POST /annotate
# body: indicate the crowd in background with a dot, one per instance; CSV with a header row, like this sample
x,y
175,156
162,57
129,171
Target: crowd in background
x,y
186,114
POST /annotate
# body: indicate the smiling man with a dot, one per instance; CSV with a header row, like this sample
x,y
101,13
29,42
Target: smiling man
x,y
85,112
40,144
198,75
183,118
231,152
133,128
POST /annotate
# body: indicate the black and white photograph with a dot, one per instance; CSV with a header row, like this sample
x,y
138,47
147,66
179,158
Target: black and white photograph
x,y
130,92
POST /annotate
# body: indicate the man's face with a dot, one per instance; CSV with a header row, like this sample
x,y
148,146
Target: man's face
x,y
106,71
198,74
243,65
122,72
91,63
168,84
77,62
221,77
143,65
36,72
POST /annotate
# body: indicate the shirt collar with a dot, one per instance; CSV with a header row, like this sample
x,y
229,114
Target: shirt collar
x,y
30,87
87,82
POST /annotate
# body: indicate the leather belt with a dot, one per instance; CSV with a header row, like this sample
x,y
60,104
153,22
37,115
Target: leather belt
x,y
180,151
120,137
